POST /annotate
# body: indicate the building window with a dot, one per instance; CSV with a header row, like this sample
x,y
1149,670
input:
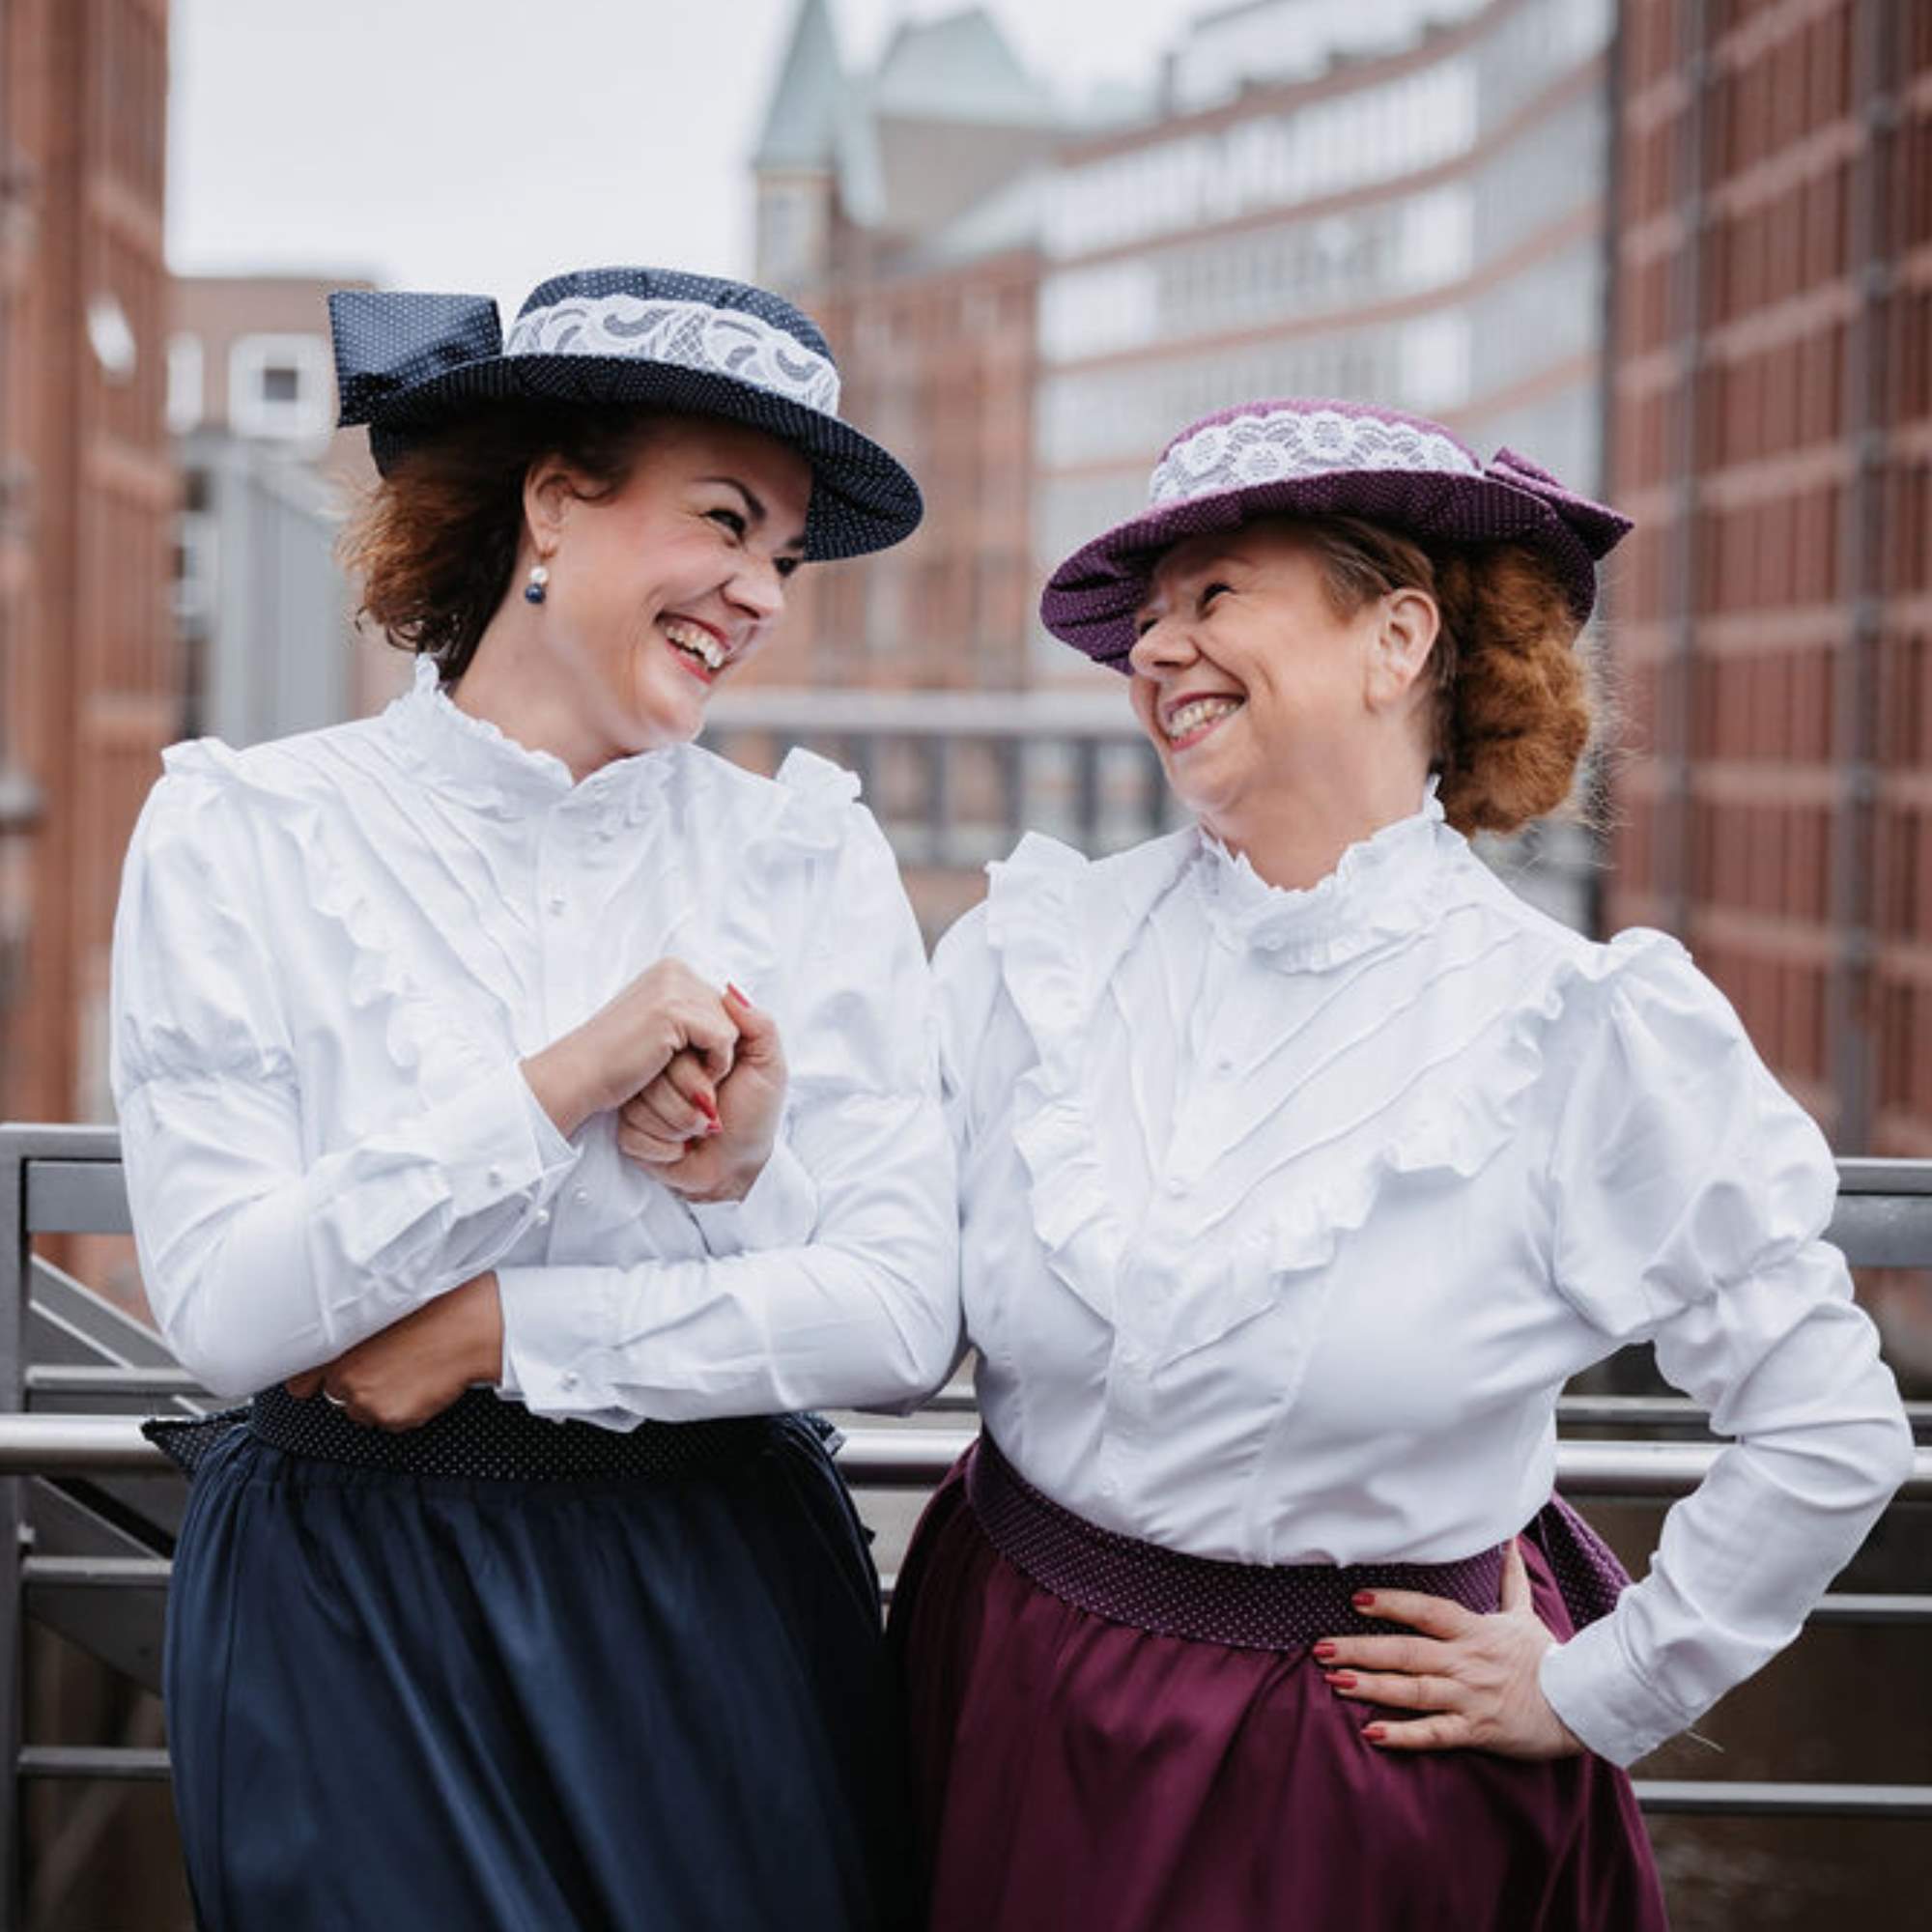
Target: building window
x,y
185,402
278,385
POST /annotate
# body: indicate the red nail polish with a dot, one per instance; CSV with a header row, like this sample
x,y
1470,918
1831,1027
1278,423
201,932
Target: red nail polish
x,y
706,1106
736,994
1376,1733
1342,1679
1362,1598
1324,1649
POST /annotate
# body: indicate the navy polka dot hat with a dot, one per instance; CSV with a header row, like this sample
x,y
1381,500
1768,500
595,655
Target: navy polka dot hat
x,y
409,363
1312,457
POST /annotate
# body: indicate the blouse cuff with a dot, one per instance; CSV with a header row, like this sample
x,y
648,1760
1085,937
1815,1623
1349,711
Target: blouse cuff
x,y
1597,1691
548,1313
778,1211
495,1142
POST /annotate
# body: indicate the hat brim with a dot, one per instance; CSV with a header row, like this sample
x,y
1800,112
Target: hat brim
x,y
863,499
1090,600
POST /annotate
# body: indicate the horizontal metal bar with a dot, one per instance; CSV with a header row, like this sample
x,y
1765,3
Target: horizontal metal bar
x,y
1573,1411
1720,1798
109,1573
70,1445
925,715
93,1761
1850,1606
1858,1175
77,1197
89,1378
57,1140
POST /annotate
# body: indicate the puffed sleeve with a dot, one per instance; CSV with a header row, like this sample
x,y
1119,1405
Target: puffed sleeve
x,y
259,1261
1690,1194
859,1309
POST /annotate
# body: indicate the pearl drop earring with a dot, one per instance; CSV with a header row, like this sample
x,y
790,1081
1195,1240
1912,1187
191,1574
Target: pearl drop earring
x,y
537,588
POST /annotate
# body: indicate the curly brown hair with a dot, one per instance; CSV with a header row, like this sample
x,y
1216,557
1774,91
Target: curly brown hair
x,y
1514,703
435,542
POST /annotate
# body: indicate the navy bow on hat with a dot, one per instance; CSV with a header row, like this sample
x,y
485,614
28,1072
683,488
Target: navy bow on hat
x,y
388,341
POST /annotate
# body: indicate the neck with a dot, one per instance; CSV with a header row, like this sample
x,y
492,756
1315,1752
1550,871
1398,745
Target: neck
x,y
522,688
1294,841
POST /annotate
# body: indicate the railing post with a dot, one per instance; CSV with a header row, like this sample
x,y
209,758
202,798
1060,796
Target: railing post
x,y
13,1259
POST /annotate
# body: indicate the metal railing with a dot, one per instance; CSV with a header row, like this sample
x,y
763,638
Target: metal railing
x,y
88,1506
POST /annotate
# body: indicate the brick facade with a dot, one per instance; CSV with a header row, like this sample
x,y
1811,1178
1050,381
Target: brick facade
x,y
1772,432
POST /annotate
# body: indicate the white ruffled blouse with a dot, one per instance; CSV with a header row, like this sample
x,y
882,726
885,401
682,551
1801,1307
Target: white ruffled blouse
x,y
1287,1215
332,952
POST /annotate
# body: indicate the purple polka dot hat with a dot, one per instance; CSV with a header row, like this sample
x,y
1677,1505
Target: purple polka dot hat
x,y
1305,456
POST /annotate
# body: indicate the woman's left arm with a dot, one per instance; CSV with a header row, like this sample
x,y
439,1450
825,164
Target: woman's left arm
x,y
1689,1195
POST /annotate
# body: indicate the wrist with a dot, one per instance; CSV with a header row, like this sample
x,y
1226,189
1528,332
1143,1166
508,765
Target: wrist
x,y
486,1362
556,1078
737,1181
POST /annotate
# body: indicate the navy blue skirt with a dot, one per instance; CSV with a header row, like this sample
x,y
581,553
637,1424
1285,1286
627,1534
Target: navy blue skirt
x,y
610,1701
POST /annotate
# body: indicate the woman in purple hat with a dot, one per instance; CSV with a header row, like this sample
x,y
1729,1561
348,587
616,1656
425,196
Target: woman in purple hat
x,y
523,1596
1301,1166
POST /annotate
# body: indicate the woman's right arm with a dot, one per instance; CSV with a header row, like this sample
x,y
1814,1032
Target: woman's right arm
x,y
260,1262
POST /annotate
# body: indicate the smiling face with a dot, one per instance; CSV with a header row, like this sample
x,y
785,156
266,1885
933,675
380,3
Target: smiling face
x,y
657,590
1265,701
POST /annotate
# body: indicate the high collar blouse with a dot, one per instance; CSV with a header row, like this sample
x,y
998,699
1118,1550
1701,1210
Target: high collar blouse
x,y
331,954
1286,1216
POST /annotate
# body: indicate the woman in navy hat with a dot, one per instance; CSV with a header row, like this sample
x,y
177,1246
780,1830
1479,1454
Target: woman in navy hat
x,y
509,1108
1301,1166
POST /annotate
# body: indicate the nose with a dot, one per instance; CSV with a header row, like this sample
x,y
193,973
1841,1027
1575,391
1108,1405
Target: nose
x,y
758,589
1166,644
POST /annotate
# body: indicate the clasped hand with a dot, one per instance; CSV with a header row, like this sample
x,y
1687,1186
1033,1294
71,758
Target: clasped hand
x,y
699,1084
1473,1676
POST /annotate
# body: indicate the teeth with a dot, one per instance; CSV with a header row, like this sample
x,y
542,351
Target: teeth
x,y
700,643
1191,717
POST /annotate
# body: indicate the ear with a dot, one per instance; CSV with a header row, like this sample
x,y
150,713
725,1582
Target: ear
x,y
1398,651
551,493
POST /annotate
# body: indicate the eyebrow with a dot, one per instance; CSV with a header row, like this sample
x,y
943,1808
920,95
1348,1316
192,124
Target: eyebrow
x,y
754,507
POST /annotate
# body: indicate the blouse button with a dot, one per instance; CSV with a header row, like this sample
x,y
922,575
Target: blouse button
x,y
496,1176
543,1217
557,902
582,1195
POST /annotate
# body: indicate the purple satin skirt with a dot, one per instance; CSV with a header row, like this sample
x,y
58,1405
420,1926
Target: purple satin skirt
x,y
1109,1737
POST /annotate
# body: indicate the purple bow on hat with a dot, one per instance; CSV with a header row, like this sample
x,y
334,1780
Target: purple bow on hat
x,y
1598,527
389,341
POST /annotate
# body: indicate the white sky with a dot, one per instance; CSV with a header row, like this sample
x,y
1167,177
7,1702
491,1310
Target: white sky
x,y
481,145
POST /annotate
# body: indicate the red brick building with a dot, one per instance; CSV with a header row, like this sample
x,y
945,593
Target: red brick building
x,y
88,674
899,208
1770,429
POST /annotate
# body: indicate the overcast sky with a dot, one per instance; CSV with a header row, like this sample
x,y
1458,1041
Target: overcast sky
x,y
479,145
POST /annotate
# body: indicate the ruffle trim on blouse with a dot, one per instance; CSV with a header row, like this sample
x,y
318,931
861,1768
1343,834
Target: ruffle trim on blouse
x,y
1384,888
1040,914
413,1027
473,760
1034,912
1455,1127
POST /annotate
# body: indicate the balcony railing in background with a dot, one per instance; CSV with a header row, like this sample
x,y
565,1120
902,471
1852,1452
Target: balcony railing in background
x,y
89,1509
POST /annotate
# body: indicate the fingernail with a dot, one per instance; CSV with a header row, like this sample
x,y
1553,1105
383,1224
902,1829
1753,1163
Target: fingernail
x,y
731,989
1342,1679
706,1106
1363,1598
1324,1649
1375,1733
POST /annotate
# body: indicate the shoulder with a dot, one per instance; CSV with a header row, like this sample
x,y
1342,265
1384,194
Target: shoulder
x,y
308,768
